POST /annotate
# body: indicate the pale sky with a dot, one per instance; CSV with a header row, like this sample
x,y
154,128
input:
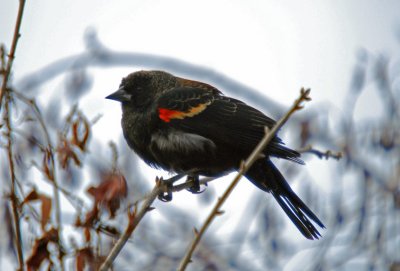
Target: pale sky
x,y
273,46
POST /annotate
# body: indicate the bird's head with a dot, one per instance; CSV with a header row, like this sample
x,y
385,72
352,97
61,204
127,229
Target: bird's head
x,y
139,89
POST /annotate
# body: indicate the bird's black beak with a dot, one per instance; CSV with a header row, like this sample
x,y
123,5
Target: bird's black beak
x,y
120,95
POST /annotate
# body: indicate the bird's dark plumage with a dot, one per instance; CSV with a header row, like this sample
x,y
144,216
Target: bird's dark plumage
x,y
190,127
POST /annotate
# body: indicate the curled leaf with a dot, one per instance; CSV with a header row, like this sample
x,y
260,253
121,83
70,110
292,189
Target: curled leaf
x,y
80,138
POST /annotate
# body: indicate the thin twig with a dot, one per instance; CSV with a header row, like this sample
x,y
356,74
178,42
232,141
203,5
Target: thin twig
x,y
136,218
254,156
114,152
14,43
3,90
326,154
14,201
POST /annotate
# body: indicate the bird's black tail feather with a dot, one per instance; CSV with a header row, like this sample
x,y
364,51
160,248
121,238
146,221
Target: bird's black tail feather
x,y
267,177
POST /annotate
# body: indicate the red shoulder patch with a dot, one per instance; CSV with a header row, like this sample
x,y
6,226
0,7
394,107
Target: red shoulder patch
x,y
166,114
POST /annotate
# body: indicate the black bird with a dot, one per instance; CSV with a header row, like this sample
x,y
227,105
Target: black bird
x,y
191,128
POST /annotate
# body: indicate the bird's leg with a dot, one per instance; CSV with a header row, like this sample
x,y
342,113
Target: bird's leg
x,y
195,188
165,197
173,179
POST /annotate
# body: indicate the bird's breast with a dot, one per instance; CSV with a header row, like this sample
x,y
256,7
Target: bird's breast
x,y
136,130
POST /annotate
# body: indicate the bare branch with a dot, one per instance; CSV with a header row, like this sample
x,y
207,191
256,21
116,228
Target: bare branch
x,y
3,90
14,43
134,220
327,154
254,156
137,217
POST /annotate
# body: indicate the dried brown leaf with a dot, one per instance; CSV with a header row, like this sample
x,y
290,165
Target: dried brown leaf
x,y
85,257
80,140
47,169
33,195
110,192
87,234
46,210
46,203
39,250
66,153
90,219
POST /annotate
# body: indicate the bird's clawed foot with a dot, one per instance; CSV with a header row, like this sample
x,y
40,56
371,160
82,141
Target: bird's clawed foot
x,y
195,188
167,196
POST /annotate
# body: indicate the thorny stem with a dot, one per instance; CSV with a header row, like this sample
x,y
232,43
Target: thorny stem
x,y
11,56
137,217
254,156
14,202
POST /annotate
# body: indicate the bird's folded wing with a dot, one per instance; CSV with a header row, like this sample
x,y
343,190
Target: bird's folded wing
x,y
222,119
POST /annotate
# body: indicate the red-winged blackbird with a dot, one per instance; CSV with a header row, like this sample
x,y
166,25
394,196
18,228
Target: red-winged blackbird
x,y
191,128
